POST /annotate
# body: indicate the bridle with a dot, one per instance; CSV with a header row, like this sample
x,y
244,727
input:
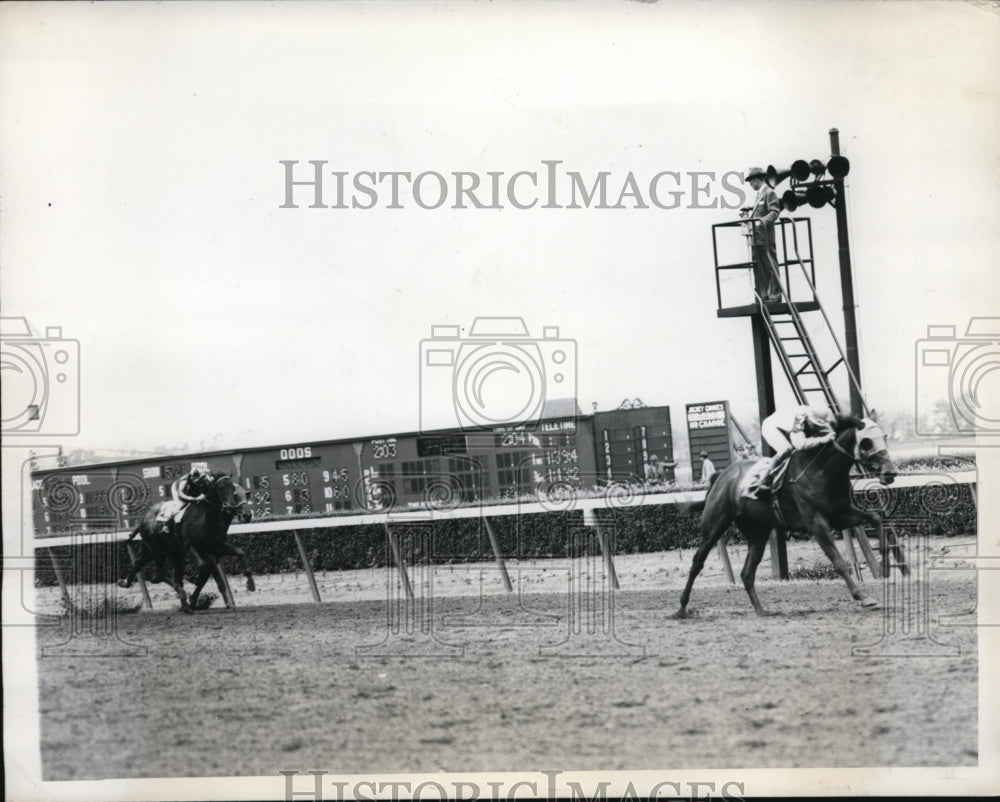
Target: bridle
x,y
226,508
855,457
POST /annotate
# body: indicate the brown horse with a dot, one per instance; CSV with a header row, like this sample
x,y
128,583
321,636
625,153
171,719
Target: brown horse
x,y
816,497
201,532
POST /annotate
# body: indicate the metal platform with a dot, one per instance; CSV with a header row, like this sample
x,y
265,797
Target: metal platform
x,y
774,308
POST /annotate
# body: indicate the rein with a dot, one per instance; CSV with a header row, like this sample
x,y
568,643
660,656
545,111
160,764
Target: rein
x,y
816,454
221,505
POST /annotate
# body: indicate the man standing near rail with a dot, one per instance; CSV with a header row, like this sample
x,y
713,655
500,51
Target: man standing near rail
x,y
707,467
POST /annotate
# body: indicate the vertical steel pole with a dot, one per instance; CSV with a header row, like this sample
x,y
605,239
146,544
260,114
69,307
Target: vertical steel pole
x,y
765,406
724,555
846,282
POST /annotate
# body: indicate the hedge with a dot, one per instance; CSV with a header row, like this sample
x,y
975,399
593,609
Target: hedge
x,y
939,509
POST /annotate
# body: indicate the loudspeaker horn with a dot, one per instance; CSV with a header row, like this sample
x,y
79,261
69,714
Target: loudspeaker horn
x,y
776,176
799,171
792,200
838,166
820,196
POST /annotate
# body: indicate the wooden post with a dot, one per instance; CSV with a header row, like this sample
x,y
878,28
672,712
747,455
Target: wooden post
x,y
138,575
724,554
60,578
499,557
866,549
398,558
307,567
852,554
590,519
779,554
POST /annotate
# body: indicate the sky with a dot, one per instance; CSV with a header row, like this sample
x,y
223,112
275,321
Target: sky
x,y
142,193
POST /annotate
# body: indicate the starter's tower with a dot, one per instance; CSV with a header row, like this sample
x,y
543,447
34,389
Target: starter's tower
x,y
807,356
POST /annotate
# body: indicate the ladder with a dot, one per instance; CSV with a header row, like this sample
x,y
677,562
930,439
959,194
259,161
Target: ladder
x,y
798,356
796,352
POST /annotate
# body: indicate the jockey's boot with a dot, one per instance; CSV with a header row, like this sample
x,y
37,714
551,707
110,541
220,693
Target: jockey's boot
x,y
763,486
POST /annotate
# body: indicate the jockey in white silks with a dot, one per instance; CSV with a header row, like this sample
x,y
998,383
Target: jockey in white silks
x,y
794,428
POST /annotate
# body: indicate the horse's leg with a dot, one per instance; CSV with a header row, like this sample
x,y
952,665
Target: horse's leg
x,y
757,540
820,529
221,583
204,571
244,564
137,566
177,582
714,525
856,517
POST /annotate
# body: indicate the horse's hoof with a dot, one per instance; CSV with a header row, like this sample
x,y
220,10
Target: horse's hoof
x,y
123,584
680,614
251,585
187,610
868,601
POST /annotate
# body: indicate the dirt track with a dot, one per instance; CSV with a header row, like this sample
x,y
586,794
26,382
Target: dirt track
x,y
281,686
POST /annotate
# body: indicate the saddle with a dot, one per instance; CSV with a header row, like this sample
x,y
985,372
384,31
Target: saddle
x,y
766,477
168,509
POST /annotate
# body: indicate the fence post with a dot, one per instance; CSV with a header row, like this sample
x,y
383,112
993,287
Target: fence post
x,y
307,567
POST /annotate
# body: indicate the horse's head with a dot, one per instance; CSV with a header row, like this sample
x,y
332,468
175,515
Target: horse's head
x,y
223,492
243,509
872,451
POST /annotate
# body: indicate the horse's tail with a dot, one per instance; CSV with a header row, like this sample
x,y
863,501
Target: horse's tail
x,y
695,507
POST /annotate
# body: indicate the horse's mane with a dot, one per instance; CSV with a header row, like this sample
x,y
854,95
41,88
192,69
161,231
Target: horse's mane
x,y
847,422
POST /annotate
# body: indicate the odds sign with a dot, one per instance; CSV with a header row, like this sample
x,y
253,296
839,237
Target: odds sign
x,y
708,430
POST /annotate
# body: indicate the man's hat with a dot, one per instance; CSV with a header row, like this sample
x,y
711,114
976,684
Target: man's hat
x,y
756,171
703,454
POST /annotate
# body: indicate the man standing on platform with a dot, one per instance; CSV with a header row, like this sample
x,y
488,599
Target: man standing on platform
x,y
765,209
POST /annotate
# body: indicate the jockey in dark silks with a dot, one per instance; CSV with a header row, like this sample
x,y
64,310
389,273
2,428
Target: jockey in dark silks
x,y
187,489
792,429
